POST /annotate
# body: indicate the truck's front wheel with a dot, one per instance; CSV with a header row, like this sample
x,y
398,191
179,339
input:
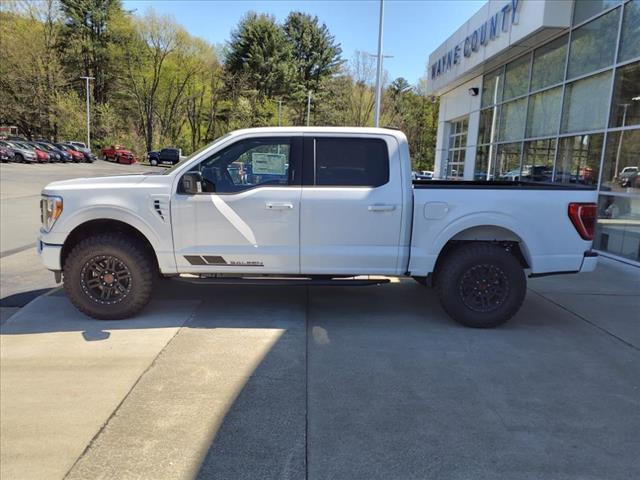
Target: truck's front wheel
x,y
481,285
109,277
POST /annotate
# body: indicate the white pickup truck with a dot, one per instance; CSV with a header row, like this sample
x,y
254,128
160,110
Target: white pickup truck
x,y
318,206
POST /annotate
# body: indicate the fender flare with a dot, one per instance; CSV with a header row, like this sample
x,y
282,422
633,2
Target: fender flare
x,y
527,240
113,212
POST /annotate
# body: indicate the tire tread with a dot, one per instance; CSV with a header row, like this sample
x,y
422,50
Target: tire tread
x,y
141,261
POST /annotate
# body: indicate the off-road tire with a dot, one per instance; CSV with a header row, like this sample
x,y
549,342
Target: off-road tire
x,y
496,277
141,270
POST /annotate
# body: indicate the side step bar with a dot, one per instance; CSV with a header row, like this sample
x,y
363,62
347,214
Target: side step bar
x,y
282,281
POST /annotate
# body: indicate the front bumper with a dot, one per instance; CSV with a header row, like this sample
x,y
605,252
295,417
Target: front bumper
x,y
589,262
50,255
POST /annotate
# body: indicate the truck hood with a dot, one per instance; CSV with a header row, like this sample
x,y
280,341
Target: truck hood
x,y
116,181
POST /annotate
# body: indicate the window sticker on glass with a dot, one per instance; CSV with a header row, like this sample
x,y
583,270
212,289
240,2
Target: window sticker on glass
x,y
268,163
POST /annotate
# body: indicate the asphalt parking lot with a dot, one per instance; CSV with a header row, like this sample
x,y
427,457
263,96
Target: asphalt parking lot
x,y
311,382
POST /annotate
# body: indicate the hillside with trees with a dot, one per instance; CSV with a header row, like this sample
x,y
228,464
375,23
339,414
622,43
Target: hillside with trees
x,y
156,85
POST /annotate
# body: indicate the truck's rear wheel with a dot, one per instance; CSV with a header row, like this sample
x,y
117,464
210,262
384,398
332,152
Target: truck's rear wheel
x,y
109,277
481,285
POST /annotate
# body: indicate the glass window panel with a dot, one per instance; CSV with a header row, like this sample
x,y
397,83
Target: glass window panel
x,y
618,226
481,167
588,8
593,45
492,87
548,64
507,162
586,103
241,165
539,155
351,162
625,107
621,168
488,125
512,120
516,78
579,159
543,117
630,41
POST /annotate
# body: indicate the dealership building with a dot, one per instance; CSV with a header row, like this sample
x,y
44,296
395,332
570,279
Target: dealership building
x,y
548,91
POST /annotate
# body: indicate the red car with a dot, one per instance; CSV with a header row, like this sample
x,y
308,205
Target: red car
x,y
115,153
75,154
41,155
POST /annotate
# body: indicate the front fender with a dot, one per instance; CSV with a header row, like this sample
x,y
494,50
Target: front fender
x,y
162,242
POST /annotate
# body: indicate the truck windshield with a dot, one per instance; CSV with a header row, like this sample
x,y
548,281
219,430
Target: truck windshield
x,y
197,152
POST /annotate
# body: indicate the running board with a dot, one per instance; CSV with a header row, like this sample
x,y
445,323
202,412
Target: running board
x,y
280,281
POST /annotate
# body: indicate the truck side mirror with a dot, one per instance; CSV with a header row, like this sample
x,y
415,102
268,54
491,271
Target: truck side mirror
x,y
192,183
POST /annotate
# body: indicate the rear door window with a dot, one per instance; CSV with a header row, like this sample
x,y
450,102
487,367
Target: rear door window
x,y
351,162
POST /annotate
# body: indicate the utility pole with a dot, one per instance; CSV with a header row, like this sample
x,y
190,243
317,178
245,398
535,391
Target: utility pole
x,y
308,108
379,72
86,79
279,113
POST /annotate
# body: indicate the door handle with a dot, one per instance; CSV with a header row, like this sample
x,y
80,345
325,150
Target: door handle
x,y
279,206
381,208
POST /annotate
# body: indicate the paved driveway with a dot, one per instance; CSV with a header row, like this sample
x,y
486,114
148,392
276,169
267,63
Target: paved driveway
x,y
374,382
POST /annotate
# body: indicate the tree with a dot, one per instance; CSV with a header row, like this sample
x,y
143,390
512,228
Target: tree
x,y
316,56
156,85
260,55
399,86
87,39
151,43
31,76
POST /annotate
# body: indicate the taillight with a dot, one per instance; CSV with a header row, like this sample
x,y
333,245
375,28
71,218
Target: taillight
x,y
583,217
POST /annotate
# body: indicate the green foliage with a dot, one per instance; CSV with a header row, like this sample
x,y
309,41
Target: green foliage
x,y
157,86
260,55
315,57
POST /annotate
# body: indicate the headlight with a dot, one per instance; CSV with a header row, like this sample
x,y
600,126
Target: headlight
x,y
50,211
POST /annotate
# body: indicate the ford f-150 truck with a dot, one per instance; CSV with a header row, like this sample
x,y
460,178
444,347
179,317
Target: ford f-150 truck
x,y
316,206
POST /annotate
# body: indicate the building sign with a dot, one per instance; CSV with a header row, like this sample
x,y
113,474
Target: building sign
x,y
480,37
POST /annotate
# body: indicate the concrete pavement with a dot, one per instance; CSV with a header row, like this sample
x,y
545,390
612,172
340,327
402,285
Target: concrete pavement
x,y
317,383
62,377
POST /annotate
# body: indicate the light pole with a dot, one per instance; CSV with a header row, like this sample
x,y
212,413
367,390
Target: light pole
x,y
86,79
376,117
279,113
308,107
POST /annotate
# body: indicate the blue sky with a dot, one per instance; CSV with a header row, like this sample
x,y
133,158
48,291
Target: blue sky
x,y
413,28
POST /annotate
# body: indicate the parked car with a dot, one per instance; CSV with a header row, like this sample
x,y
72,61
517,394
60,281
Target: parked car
x,y
76,156
88,156
54,156
41,156
118,154
628,176
424,175
475,245
77,144
6,154
537,173
169,156
21,153
62,154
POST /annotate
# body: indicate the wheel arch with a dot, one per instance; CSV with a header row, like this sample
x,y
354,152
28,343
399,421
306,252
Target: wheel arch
x,y
496,234
105,225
